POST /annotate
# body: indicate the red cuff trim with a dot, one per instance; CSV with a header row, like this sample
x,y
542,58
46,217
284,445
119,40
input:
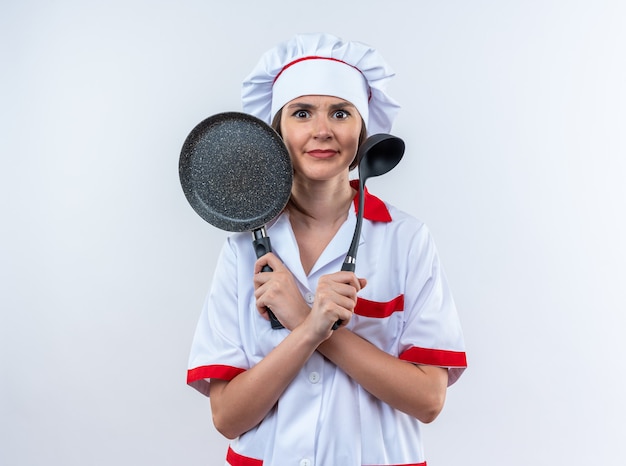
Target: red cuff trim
x,y
412,464
235,459
374,209
215,371
377,309
435,357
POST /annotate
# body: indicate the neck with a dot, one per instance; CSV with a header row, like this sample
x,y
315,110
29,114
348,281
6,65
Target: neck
x,y
324,202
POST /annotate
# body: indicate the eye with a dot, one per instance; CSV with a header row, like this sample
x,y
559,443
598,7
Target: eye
x,y
341,114
301,114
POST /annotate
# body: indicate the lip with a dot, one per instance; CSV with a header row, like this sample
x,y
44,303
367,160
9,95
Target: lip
x,y
322,153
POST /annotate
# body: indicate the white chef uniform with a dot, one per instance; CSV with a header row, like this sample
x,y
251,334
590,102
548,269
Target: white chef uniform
x,y
324,417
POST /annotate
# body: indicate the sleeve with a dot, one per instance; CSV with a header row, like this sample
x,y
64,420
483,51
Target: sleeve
x,y
216,349
432,332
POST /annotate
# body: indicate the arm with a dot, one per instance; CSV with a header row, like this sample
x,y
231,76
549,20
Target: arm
x,y
416,390
240,404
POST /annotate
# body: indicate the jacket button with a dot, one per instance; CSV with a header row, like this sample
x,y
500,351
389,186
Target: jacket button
x,y
314,377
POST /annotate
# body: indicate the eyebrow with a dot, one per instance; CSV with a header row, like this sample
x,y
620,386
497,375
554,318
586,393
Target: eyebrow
x,y
341,105
301,105
307,106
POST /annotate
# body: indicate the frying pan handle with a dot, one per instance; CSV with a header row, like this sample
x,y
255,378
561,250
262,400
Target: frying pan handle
x,y
348,266
262,246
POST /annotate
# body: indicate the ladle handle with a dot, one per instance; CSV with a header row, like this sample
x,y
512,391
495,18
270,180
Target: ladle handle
x,y
349,264
262,246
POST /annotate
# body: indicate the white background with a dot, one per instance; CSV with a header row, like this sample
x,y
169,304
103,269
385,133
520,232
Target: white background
x,y
514,117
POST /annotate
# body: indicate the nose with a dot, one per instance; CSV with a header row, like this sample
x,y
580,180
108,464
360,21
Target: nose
x,y
322,129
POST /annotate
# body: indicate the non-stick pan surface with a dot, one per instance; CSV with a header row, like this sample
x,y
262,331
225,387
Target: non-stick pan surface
x,y
235,171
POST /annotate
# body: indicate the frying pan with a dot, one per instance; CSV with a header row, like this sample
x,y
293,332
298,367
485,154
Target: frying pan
x,y
237,175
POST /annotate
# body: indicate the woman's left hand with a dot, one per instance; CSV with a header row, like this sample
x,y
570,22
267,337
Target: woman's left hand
x,y
277,290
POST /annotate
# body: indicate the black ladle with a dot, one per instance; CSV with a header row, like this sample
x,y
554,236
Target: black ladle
x,y
379,154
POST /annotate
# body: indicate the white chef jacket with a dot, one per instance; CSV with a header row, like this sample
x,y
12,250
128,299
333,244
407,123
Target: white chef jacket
x,y
324,417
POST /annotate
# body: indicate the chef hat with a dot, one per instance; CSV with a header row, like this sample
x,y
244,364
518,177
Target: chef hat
x,y
322,64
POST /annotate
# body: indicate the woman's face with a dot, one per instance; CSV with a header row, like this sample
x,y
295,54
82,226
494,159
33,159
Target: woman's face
x,y
322,135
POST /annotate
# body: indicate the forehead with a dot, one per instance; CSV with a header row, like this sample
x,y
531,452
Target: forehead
x,y
320,100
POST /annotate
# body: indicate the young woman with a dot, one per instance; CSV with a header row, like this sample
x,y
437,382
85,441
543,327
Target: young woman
x,y
307,394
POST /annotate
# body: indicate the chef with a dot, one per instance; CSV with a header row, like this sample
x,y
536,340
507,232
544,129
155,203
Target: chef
x,y
307,394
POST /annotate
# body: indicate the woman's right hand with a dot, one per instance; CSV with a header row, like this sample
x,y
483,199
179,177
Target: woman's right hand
x,y
335,299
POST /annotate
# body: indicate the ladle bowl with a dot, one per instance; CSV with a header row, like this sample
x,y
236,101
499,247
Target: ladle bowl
x,y
378,155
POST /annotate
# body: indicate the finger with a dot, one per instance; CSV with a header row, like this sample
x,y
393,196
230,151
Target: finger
x,y
260,302
263,311
260,279
270,260
343,316
340,296
349,290
261,262
349,278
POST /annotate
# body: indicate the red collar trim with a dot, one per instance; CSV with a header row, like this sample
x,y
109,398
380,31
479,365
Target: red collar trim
x,y
374,209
